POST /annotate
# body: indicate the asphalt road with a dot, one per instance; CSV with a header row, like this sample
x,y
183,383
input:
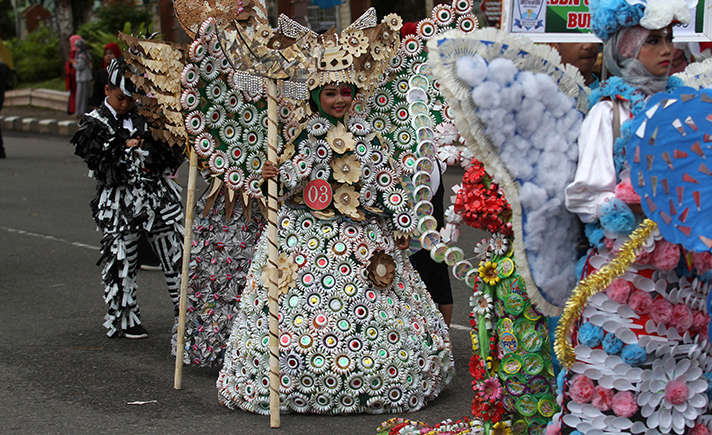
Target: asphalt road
x,y
60,374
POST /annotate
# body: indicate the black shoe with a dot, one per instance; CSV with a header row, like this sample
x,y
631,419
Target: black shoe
x,y
136,331
2,153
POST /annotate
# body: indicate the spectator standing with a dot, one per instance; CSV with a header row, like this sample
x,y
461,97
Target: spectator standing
x,y
3,78
84,75
70,75
101,78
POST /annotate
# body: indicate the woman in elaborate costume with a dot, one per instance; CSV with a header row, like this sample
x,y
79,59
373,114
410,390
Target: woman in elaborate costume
x,y
642,361
358,331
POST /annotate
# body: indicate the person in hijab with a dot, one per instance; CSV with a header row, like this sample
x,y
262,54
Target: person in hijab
x,y
84,75
101,78
642,321
332,242
70,74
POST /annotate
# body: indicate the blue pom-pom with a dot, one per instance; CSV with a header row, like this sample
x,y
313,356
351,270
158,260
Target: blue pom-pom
x,y
560,378
633,355
590,334
631,15
617,217
612,344
594,234
674,83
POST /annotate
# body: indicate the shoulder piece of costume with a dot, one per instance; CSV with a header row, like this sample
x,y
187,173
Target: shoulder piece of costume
x,y
102,143
503,90
616,88
223,85
156,67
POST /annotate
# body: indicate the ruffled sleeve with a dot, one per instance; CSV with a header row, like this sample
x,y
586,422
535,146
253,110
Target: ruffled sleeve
x,y
595,179
103,151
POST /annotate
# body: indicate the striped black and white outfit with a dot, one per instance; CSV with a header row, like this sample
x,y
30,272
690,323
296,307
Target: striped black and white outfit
x,y
134,196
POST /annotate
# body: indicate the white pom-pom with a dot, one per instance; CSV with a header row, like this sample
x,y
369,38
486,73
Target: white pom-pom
x,y
487,95
502,71
660,13
472,70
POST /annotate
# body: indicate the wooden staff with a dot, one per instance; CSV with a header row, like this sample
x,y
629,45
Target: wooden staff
x,y
273,257
187,243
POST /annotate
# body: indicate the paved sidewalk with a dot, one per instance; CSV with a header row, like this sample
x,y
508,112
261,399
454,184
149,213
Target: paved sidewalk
x,y
33,119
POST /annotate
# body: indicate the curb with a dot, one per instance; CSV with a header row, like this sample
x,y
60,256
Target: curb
x,y
39,126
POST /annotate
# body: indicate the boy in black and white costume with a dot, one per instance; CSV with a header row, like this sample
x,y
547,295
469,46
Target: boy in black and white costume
x,y
134,196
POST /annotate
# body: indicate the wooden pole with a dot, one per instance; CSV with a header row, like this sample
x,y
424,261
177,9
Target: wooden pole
x,y
273,257
187,243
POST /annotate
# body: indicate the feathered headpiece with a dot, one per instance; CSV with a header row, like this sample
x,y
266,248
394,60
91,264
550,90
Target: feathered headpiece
x,y
607,16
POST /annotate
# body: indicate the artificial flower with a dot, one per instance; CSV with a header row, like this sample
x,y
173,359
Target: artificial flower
x,y
488,272
340,139
501,428
347,169
346,201
481,303
490,390
482,250
477,368
381,269
672,394
286,270
499,244
263,33
355,42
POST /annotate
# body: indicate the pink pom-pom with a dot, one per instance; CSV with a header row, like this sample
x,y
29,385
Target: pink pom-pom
x,y
626,193
681,318
665,255
553,429
640,301
702,262
676,392
608,243
619,290
699,429
700,321
644,257
623,404
661,311
602,398
581,389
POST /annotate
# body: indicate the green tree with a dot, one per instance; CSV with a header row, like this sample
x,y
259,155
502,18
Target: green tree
x,y
36,56
111,19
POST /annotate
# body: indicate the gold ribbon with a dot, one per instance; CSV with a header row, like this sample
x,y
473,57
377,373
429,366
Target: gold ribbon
x,y
594,283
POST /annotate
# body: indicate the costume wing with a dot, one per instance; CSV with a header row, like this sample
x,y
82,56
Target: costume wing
x,y
226,114
158,65
667,153
520,112
410,99
697,75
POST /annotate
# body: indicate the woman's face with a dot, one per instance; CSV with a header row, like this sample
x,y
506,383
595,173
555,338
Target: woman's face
x,y
335,100
108,56
656,52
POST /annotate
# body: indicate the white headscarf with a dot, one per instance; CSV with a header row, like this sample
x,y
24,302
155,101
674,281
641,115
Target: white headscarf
x,y
621,56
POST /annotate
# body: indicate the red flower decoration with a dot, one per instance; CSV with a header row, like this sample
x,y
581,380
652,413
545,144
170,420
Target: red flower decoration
x,y
487,411
477,369
481,202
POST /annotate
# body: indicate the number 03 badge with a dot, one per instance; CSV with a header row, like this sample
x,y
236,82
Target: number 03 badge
x,y
317,194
